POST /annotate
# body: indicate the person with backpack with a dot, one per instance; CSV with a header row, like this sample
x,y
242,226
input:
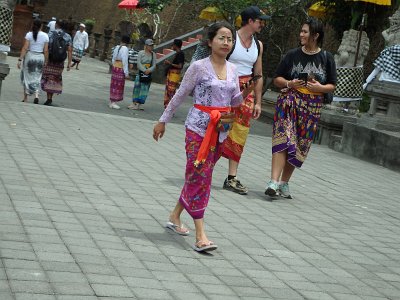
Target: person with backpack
x,y
247,56
34,55
60,49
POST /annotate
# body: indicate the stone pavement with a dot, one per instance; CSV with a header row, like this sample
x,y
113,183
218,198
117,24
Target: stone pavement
x,y
84,197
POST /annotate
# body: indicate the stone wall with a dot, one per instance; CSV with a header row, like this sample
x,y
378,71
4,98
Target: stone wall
x,y
108,13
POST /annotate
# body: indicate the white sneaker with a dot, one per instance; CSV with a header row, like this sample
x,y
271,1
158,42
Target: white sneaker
x,y
114,106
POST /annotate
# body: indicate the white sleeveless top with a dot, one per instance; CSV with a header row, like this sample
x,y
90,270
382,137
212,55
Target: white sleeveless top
x,y
244,60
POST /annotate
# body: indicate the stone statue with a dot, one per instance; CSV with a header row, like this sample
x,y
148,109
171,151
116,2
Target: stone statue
x,y
347,49
392,34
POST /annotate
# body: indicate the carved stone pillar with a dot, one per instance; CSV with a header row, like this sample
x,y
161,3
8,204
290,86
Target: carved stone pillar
x,y
107,38
95,52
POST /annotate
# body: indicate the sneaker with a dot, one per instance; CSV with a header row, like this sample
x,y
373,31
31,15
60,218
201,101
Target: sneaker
x,y
133,106
114,106
36,101
234,185
272,188
284,190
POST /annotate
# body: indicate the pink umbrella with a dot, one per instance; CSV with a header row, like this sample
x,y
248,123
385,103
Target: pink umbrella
x,y
128,4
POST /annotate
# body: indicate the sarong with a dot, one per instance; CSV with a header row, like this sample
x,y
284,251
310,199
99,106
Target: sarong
x,y
77,55
196,190
172,83
140,91
295,123
31,73
117,85
52,77
232,148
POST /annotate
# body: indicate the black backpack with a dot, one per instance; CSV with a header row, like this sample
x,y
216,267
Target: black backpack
x,y
58,47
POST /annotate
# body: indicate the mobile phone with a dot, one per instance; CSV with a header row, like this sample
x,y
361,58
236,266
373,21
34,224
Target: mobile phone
x,y
303,76
254,78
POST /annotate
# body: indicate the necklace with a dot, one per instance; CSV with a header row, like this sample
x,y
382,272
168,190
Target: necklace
x,y
220,76
310,51
244,44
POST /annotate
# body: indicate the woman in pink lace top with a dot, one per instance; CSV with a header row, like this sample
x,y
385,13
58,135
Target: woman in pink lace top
x,y
215,86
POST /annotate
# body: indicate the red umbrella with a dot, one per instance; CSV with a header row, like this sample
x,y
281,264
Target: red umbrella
x,y
128,4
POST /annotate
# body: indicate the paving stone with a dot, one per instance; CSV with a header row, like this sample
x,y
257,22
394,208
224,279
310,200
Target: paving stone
x,y
26,275
112,290
145,293
28,296
68,288
34,287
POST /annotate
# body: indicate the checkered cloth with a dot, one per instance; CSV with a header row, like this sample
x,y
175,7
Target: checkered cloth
x,y
6,18
389,61
349,82
132,55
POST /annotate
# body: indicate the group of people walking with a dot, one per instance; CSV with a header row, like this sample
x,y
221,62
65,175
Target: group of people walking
x,y
146,65
227,87
42,58
225,80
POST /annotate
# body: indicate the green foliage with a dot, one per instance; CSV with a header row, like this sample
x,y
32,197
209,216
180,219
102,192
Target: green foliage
x,y
89,22
364,104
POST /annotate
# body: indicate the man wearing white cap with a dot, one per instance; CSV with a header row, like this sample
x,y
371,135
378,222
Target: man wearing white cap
x,y
80,44
52,24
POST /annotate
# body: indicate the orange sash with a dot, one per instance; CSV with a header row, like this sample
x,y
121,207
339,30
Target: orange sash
x,y
305,90
210,139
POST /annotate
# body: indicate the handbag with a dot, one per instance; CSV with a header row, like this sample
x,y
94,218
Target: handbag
x,y
146,78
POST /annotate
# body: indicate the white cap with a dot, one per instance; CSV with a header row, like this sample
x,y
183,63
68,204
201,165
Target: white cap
x,y
53,18
82,25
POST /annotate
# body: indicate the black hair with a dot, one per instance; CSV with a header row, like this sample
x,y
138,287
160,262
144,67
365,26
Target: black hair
x,y
61,24
316,26
35,28
125,39
212,31
178,43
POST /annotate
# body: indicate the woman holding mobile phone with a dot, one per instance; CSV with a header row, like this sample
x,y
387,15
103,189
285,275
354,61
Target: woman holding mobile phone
x,y
304,75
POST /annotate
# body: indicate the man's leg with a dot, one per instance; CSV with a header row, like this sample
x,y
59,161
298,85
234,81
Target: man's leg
x,y
231,183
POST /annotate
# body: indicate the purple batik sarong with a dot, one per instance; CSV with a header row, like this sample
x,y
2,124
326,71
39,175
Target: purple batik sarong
x,y
295,124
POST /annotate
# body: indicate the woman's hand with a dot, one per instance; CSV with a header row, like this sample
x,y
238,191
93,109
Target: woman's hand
x,y
314,86
295,83
247,88
147,72
167,62
19,64
158,130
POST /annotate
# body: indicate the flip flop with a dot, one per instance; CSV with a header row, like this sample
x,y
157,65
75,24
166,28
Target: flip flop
x,y
202,247
174,227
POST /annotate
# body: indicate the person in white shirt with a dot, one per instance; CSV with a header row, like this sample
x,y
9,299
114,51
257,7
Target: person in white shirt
x,y
52,24
80,44
120,72
34,56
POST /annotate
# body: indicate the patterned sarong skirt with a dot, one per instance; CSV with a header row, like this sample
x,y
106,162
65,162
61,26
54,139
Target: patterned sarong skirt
x,y
52,77
117,85
31,73
295,124
196,190
232,147
140,91
77,55
172,83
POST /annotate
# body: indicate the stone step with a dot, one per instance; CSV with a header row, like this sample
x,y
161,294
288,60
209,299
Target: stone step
x,y
335,142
